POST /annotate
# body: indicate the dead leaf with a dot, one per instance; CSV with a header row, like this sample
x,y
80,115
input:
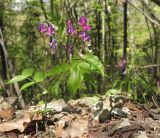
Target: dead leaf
x,y
59,130
61,126
132,106
6,114
21,121
78,128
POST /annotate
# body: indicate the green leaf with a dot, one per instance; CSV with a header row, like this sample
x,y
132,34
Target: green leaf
x,y
40,103
27,72
61,68
85,67
95,63
39,76
113,92
17,79
90,79
26,85
74,62
56,88
75,80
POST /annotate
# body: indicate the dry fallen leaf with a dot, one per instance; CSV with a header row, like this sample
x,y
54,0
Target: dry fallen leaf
x,y
21,121
132,106
6,114
59,130
61,125
77,129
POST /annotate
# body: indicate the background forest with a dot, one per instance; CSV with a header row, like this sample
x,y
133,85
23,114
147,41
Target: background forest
x,y
125,35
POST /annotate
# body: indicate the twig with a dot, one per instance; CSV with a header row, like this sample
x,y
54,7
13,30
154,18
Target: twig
x,y
149,18
155,103
36,129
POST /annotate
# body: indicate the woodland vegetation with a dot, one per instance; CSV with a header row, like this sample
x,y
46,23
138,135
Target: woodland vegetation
x,y
80,68
118,54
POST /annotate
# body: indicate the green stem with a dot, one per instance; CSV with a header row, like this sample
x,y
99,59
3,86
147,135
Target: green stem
x,y
45,90
38,84
44,68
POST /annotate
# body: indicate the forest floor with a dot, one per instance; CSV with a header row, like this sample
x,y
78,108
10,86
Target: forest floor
x,y
89,117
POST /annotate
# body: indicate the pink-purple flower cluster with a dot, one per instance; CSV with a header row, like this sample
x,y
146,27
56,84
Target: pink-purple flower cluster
x,y
83,23
46,29
70,49
71,29
85,36
53,44
122,64
49,30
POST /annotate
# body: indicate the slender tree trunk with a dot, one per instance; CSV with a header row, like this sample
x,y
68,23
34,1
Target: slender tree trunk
x,y
3,60
156,70
158,73
103,46
16,86
124,41
125,31
4,69
98,44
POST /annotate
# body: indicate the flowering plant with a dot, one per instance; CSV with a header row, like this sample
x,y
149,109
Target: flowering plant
x,y
81,60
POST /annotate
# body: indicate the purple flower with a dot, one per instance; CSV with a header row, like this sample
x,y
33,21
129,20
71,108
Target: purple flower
x,y
122,64
85,36
86,27
82,21
50,30
42,28
69,23
53,44
70,49
71,29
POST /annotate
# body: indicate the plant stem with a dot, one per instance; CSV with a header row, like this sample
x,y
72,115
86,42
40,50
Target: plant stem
x,y
37,84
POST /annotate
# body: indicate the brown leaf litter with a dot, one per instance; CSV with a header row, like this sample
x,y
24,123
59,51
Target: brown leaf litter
x,y
90,117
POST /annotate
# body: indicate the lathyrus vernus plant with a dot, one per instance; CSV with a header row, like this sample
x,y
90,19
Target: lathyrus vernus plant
x,y
81,61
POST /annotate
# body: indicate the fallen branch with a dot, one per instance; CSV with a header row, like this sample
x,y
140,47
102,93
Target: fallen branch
x,y
134,127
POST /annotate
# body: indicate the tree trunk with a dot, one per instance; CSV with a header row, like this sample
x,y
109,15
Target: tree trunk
x,y
124,41
103,46
98,45
4,70
5,62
